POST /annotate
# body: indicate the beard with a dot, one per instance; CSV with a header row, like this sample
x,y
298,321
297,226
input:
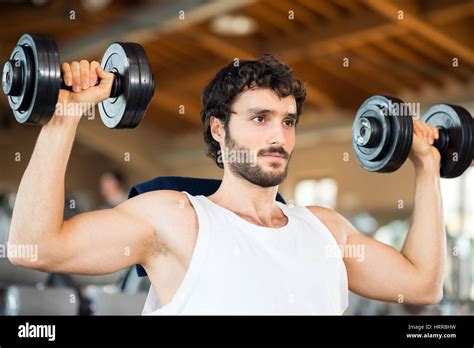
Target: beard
x,y
253,172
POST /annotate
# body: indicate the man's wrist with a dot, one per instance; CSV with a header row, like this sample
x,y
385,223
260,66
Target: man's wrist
x,y
427,168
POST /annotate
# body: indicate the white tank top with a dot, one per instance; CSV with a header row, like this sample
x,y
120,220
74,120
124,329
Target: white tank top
x,y
241,268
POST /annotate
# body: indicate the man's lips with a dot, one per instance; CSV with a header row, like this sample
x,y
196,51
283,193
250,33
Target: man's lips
x,y
273,155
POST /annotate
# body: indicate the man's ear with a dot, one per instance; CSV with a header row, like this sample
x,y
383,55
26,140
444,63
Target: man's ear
x,y
217,129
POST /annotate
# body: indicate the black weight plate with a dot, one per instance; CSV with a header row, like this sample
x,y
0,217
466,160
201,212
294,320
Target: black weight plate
x,y
396,135
117,112
371,110
403,143
53,80
48,80
39,95
22,56
41,58
135,85
458,124
146,85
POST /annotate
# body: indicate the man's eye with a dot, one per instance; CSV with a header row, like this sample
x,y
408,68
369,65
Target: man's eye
x,y
289,122
259,119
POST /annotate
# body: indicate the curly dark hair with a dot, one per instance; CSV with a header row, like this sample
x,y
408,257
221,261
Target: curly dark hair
x,y
218,95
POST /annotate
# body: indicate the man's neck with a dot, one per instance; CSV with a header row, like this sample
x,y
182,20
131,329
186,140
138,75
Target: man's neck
x,y
246,199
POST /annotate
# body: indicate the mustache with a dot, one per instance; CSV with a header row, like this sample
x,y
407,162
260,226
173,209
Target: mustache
x,y
278,150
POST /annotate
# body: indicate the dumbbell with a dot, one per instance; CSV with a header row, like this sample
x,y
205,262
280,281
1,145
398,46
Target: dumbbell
x,y
32,79
382,135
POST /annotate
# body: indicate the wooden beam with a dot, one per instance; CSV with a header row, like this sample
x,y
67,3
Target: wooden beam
x,y
416,23
329,86
381,68
348,75
369,77
221,47
322,37
354,7
317,96
301,14
448,12
438,58
172,103
323,8
266,24
413,63
148,21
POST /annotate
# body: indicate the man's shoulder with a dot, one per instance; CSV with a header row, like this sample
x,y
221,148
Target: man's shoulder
x,y
334,221
172,216
166,197
326,215
163,202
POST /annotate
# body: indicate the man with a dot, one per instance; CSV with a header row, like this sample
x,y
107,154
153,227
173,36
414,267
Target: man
x,y
237,251
112,188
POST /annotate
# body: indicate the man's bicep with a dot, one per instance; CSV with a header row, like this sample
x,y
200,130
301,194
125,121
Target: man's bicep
x,y
101,242
375,270
379,271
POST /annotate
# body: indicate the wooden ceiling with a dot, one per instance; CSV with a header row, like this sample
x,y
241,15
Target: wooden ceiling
x,y
386,54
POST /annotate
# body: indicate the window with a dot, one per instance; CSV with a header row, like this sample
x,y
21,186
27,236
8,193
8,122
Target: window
x,y
458,205
321,192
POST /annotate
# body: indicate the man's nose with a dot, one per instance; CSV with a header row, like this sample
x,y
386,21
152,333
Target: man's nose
x,y
276,135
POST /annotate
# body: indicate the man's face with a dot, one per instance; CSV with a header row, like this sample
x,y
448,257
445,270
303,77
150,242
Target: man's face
x,y
263,125
108,184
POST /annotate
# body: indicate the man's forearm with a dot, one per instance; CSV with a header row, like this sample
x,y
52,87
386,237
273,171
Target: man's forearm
x,y
425,245
39,205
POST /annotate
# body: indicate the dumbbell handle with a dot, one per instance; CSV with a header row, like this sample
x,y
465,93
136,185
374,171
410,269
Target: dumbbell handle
x,y
13,74
368,133
116,85
442,141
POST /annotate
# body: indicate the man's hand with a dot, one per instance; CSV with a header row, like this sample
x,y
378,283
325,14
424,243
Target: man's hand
x,y
423,154
82,77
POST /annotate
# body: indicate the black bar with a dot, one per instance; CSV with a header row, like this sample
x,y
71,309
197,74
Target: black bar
x,y
313,330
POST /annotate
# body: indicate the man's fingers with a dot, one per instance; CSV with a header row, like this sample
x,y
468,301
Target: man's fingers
x,y
418,130
82,75
105,76
425,131
106,81
92,73
430,131
67,74
76,76
85,80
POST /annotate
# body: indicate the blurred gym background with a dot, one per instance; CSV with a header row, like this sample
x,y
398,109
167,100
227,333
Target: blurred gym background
x,y
425,54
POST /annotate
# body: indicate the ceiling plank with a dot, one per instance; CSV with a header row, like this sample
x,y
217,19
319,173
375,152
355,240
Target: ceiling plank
x,y
347,75
441,13
172,103
220,47
324,8
302,15
414,63
318,97
146,22
375,64
438,58
276,14
416,23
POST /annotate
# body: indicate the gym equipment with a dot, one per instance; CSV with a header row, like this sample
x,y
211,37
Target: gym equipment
x,y
32,78
382,135
456,137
